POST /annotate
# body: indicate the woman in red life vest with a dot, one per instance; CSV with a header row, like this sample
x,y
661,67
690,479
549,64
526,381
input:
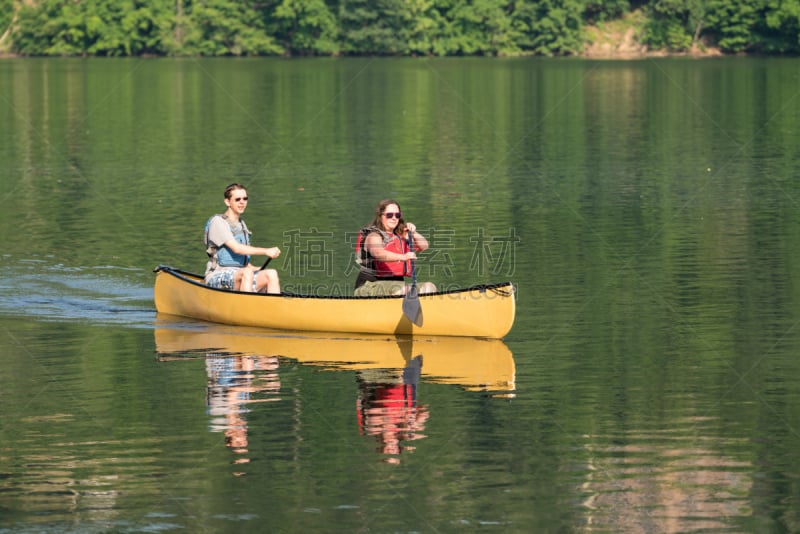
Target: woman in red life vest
x,y
383,253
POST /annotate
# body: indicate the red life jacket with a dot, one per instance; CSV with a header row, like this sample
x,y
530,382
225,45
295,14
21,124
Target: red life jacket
x,y
382,269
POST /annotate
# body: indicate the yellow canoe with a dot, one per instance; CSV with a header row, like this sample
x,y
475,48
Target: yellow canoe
x,y
472,363
479,311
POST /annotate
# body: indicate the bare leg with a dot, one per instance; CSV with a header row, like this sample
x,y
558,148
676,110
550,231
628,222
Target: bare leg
x,y
427,287
245,277
424,287
268,279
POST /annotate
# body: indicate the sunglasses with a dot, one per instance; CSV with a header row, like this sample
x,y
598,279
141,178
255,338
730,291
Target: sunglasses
x,y
391,214
240,199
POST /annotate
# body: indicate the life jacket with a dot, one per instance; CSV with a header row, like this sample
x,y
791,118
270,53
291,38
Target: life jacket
x,y
223,256
382,269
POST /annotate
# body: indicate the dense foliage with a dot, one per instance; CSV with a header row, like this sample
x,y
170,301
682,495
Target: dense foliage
x,y
385,27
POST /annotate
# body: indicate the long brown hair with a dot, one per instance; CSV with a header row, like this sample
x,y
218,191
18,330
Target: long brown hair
x,y
378,220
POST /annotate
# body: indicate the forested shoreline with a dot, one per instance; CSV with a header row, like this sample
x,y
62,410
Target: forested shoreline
x,y
394,27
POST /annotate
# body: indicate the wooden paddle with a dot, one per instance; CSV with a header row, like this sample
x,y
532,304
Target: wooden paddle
x,y
411,306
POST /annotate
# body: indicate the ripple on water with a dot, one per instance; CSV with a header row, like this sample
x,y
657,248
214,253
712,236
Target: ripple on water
x,y
95,295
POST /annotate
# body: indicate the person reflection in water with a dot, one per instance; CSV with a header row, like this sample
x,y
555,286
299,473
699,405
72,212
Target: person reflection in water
x,y
233,382
387,408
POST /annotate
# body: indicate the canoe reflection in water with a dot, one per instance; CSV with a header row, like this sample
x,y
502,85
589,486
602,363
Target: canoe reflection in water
x,y
243,368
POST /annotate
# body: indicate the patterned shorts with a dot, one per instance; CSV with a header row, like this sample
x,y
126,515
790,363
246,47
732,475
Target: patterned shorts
x,y
223,279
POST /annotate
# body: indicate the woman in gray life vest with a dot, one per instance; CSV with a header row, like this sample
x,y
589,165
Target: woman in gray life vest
x,y
383,253
227,241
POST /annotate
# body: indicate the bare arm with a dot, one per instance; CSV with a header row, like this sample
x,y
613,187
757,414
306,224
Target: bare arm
x,y
248,250
420,243
374,245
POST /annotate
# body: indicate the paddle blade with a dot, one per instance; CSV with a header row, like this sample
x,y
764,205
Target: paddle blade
x,y
411,306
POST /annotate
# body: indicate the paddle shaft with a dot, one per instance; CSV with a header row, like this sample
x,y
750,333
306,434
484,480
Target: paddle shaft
x,y
411,306
413,262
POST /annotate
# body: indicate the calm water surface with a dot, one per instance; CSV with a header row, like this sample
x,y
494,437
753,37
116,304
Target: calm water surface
x,y
646,210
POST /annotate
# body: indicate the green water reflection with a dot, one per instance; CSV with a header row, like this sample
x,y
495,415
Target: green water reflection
x,y
647,210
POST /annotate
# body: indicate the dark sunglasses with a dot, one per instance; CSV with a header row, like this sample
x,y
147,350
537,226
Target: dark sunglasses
x,y
240,199
391,214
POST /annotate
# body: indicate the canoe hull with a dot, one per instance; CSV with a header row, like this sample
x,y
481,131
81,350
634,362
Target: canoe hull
x,y
481,311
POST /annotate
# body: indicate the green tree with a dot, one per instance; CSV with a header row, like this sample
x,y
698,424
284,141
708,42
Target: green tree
x,y
782,27
305,27
53,27
373,27
127,28
7,15
601,10
225,28
423,26
150,26
388,27
734,23
92,27
675,24
478,27
550,27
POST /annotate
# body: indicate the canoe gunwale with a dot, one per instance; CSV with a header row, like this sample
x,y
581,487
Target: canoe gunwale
x,y
504,288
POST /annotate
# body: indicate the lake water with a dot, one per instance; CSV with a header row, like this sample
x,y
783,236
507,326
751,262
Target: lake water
x,y
648,211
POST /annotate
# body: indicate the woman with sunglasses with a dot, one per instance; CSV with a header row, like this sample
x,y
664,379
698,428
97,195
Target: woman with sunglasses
x,y
227,240
384,255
